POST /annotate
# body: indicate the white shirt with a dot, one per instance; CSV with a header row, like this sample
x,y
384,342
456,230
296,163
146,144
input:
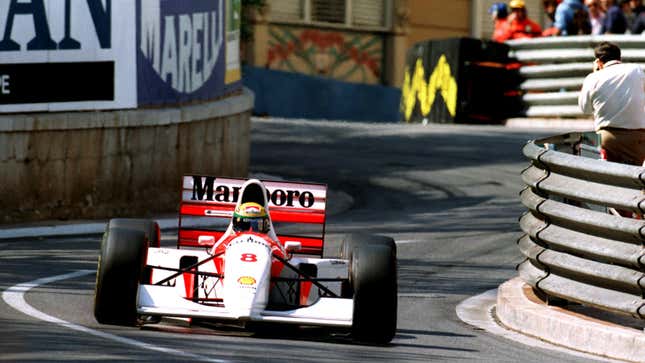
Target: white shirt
x,y
596,23
615,95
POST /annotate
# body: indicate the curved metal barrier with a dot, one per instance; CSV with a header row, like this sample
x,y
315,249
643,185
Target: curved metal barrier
x,y
554,67
575,248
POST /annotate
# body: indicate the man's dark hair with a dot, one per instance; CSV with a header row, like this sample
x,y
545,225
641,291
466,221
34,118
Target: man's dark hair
x,y
606,51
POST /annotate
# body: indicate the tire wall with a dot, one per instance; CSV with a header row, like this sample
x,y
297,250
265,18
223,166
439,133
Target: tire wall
x,y
116,163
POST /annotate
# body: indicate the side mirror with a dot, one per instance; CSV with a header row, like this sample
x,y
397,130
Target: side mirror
x,y
205,240
292,246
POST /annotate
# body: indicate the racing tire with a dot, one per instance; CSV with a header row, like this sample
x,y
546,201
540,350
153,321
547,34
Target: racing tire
x,y
355,240
153,236
150,227
374,282
359,239
120,270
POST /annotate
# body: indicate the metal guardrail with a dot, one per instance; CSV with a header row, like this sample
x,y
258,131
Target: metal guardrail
x,y
554,68
575,249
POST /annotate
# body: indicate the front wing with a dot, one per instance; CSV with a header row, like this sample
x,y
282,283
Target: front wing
x,y
163,300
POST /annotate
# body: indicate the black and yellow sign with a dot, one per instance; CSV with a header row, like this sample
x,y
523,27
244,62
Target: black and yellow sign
x,y
416,90
455,80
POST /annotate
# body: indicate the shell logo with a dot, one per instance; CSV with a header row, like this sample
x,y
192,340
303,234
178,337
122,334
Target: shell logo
x,y
246,281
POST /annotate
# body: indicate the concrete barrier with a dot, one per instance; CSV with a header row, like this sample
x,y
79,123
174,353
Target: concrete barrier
x,y
293,95
116,163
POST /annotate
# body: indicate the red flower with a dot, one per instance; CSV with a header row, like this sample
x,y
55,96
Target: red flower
x,y
353,53
315,37
305,35
270,56
339,39
372,64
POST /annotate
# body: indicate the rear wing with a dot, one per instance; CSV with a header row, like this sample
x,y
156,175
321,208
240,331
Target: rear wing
x,y
297,210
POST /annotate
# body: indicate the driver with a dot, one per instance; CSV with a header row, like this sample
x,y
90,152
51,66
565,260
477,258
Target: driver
x,y
250,217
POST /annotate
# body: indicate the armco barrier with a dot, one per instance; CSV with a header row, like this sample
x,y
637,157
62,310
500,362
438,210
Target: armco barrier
x,y
576,250
555,67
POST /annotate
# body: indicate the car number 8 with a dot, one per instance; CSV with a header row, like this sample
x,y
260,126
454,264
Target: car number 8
x,y
249,257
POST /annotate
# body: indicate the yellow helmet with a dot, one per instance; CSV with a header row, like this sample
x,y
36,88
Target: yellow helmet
x,y
517,4
250,217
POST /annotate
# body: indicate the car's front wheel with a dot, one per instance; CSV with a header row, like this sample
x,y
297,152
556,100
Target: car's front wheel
x,y
119,272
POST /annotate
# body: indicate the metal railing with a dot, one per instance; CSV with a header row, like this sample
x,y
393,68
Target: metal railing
x,y
575,248
554,67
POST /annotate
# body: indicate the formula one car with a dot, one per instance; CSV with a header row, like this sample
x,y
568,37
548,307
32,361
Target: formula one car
x,y
241,271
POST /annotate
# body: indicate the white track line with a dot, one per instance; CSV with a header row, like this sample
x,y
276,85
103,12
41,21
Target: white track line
x,y
407,241
478,311
15,297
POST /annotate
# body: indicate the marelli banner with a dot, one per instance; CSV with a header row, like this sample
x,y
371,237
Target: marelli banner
x,y
188,50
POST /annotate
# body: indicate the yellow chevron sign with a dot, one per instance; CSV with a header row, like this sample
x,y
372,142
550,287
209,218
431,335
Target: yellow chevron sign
x,y
416,88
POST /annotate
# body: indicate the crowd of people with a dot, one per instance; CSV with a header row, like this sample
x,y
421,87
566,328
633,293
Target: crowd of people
x,y
569,17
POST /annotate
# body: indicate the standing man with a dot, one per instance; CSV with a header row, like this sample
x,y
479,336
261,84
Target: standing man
x,y
615,94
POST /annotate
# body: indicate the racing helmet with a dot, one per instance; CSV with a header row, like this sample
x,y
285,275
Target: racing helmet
x,y
250,217
517,4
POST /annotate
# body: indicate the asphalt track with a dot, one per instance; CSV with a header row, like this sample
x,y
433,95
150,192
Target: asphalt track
x,y
447,194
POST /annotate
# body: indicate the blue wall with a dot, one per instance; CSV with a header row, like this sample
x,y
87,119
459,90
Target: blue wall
x,y
294,95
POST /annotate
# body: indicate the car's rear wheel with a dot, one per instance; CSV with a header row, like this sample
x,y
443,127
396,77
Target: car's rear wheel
x,y
374,283
121,267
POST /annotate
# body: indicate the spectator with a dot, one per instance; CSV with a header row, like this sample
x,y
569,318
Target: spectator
x,y
630,17
499,13
615,94
615,22
596,16
637,7
571,18
639,19
518,24
549,11
639,24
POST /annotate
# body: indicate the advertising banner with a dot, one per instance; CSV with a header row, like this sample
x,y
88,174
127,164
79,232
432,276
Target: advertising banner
x,y
185,48
233,22
60,55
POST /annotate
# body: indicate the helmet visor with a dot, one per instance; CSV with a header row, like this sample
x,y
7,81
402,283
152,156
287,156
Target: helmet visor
x,y
259,225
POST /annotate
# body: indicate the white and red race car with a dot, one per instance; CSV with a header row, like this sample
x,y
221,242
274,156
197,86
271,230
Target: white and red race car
x,y
242,276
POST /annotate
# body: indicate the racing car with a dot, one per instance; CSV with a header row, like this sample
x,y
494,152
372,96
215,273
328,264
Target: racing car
x,y
240,270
